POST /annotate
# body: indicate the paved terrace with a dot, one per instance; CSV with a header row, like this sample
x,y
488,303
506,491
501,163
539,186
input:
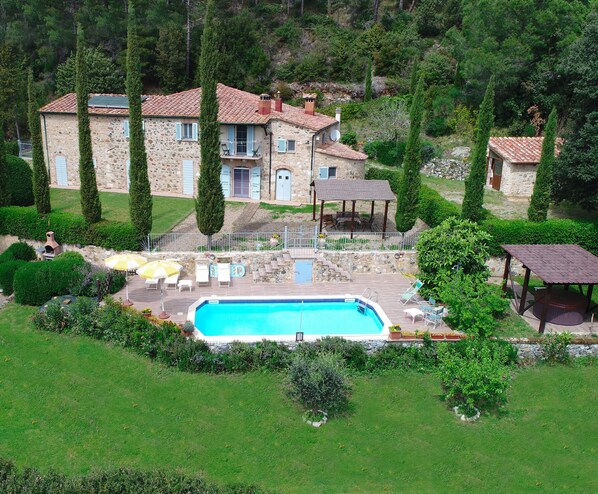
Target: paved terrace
x,y
389,288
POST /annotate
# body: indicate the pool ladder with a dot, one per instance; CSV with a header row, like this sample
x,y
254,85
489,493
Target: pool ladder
x,y
368,294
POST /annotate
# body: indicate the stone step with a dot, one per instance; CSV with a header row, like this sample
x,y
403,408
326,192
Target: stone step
x,y
268,268
262,272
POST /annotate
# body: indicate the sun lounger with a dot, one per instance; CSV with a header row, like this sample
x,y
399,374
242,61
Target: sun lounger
x,y
412,292
151,283
202,274
223,274
171,281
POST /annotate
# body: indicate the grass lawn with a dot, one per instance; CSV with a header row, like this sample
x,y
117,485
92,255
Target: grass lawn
x,y
72,404
167,211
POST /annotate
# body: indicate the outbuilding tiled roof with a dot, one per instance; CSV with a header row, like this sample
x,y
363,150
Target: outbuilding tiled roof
x,y
341,151
519,149
235,107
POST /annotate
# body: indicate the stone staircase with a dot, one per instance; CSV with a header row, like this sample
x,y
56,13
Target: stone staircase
x,y
326,270
276,268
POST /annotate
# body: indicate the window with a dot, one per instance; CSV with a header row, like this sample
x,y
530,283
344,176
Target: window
x,y
241,147
327,172
126,128
186,131
290,146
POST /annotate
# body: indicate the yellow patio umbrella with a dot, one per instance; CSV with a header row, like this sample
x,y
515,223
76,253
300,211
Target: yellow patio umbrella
x,y
159,270
126,263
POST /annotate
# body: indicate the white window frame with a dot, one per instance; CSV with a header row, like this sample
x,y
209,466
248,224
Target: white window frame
x,y
294,146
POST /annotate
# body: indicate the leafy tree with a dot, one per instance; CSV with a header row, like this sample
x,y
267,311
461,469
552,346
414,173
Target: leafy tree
x,y
41,186
103,76
575,172
538,207
140,194
90,197
408,196
11,87
209,205
4,191
319,383
367,95
474,184
171,58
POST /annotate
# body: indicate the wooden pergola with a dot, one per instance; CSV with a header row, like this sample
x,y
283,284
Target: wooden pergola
x,y
353,191
559,264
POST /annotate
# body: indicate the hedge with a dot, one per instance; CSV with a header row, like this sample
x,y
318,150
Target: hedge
x,y
393,177
12,148
18,251
434,209
68,228
7,274
558,231
20,181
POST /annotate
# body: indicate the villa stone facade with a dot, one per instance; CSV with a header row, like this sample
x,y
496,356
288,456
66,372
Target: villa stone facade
x,y
266,153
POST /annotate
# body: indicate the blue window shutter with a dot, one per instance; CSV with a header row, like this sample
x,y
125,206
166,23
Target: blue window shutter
x,y
179,131
126,128
143,126
128,176
281,146
323,173
250,137
194,131
256,182
225,180
231,139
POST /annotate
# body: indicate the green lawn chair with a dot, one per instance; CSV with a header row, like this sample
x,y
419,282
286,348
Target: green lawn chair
x,y
412,292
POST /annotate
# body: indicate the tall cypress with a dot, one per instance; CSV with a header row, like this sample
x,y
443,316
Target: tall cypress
x,y
90,197
474,184
41,186
538,206
408,196
209,205
367,94
4,191
140,194
414,77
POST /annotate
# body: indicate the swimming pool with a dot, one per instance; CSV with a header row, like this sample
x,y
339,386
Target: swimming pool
x,y
255,318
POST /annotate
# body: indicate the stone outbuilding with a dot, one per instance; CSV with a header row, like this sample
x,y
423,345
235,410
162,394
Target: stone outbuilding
x,y
269,150
512,164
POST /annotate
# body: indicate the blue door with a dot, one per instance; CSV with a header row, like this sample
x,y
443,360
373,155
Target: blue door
x,y
303,270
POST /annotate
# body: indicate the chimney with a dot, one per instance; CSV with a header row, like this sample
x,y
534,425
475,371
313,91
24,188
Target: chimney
x,y
338,115
278,102
310,103
264,105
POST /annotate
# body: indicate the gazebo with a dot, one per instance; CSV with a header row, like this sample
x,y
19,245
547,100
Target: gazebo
x,y
559,264
353,191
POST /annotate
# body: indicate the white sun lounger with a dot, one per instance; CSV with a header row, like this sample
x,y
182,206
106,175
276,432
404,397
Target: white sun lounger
x,y
171,281
151,283
202,274
224,274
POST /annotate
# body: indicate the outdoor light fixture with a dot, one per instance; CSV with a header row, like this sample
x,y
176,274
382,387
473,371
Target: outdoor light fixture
x,y
299,336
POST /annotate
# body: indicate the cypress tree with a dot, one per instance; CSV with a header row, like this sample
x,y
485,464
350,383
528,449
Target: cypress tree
x,y
538,206
209,205
41,186
408,196
474,184
414,77
367,95
90,197
140,194
4,191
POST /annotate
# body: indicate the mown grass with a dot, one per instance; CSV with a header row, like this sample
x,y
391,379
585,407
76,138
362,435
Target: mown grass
x,y
74,404
166,212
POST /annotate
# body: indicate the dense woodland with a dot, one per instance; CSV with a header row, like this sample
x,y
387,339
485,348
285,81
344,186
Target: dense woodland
x,y
534,48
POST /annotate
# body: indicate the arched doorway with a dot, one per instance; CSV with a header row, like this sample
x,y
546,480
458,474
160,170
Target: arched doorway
x,y
283,185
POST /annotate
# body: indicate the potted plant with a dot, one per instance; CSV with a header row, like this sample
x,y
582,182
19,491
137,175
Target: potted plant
x,y
395,332
321,239
274,239
147,312
188,328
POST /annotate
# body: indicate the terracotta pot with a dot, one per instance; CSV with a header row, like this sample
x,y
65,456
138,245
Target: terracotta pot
x,y
437,336
395,335
453,337
147,315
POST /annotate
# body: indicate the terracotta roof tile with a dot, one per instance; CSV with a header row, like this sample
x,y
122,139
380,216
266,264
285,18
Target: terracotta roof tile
x,y
519,149
341,151
235,106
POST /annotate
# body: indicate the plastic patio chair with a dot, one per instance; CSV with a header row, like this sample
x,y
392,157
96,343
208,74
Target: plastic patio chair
x,y
434,317
411,292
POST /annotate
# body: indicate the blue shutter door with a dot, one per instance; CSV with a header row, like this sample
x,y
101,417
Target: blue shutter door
x,y
225,180
126,128
179,132
323,173
194,131
282,146
250,137
231,140
128,177
188,177
61,175
256,182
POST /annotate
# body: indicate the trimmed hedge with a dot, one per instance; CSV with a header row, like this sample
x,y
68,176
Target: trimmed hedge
x,y
18,251
393,177
69,229
584,233
12,148
20,181
7,274
434,209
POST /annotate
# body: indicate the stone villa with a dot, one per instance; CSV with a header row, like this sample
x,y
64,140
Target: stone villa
x,y
269,150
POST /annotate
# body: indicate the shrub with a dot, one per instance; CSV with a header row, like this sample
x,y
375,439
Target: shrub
x,y
18,251
390,357
69,229
437,127
12,148
20,181
389,153
475,375
434,209
351,352
555,348
7,274
319,384
349,138
393,177
455,244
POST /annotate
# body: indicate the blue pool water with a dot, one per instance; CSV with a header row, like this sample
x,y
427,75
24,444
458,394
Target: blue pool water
x,y
284,317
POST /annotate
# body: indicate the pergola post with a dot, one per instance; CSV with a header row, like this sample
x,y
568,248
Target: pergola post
x,y
505,275
589,294
344,206
372,210
545,301
314,208
524,291
321,215
385,219
352,219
